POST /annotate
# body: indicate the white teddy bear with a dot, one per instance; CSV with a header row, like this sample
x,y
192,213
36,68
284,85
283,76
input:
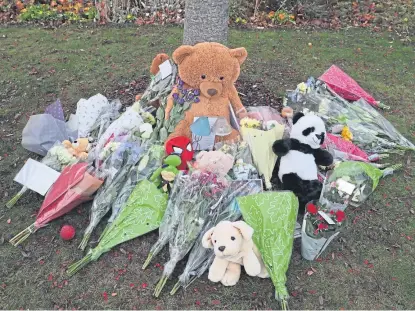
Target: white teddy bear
x,y
233,246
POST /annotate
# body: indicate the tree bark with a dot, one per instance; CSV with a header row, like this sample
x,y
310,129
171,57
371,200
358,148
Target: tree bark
x,y
206,21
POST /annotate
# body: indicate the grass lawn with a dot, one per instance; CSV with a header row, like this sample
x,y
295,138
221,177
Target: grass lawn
x,y
372,266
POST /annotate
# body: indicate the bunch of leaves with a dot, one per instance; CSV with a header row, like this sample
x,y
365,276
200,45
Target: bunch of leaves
x,y
318,218
281,17
363,13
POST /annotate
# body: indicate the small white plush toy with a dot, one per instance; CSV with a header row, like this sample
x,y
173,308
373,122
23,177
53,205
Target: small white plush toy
x,y
233,246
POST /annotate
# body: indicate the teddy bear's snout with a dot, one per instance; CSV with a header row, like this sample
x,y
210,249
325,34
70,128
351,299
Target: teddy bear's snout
x,y
221,248
212,92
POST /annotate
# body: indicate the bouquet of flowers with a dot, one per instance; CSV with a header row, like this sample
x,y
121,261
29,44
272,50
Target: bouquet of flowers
x,y
371,131
320,226
75,185
351,182
243,168
273,216
142,213
115,169
201,192
151,159
200,258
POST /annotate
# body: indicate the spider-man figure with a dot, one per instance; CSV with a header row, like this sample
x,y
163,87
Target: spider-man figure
x,y
181,146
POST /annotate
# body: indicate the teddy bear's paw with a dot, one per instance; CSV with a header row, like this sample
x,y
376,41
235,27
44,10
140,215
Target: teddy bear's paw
x,y
214,277
264,274
230,279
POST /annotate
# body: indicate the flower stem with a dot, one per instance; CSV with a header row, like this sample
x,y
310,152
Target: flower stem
x,y
75,267
18,195
148,260
84,241
175,288
23,235
160,285
104,232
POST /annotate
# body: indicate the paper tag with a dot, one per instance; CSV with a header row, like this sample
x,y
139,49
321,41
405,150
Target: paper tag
x,y
204,142
36,176
345,186
165,69
326,218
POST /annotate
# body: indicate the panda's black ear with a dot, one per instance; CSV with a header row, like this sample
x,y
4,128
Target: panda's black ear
x,y
297,116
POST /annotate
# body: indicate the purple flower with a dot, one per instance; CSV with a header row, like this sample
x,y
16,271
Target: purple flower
x,y
181,101
175,96
196,92
196,100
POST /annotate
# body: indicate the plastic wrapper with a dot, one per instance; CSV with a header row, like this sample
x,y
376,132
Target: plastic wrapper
x,y
371,131
344,150
152,155
105,118
243,168
41,133
89,113
260,143
128,122
351,182
75,185
201,258
115,170
201,192
273,216
143,213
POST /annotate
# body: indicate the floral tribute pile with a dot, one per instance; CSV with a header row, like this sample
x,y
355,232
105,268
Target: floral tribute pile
x,y
119,161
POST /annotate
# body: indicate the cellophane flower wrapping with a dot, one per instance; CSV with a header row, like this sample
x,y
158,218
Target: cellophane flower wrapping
x,y
201,258
151,159
343,150
75,185
371,131
243,168
351,182
201,193
115,170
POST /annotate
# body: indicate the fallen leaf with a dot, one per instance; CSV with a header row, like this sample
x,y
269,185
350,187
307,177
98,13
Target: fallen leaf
x,y
312,292
215,302
123,251
320,300
9,221
50,277
114,294
105,295
144,285
197,303
310,272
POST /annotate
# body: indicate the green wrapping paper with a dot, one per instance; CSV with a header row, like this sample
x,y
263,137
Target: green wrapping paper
x,y
273,215
143,213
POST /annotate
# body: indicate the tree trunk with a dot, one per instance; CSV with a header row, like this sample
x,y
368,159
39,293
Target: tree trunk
x,y
206,20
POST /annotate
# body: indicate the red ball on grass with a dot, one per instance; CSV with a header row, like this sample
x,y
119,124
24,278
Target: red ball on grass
x,y
67,232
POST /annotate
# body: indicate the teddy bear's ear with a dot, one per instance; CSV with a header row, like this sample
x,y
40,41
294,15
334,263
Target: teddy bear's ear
x,y
182,52
240,54
207,238
244,228
200,155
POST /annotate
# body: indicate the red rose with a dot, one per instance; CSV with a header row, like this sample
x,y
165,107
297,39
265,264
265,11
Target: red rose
x,y
340,216
312,209
323,226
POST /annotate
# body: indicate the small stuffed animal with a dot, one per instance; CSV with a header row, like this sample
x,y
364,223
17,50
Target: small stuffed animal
x,y
182,146
215,162
164,176
298,157
79,148
233,246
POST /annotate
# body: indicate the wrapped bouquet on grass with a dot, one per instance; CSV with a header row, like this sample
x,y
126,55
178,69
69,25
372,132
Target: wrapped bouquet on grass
x,y
351,182
115,169
74,186
151,159
186,214
200,258
273,216
371,131
320,226
142,213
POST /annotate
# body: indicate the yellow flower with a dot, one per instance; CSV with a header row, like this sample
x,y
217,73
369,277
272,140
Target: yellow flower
x,y
292,17
347,134
281,16
271,14
23,11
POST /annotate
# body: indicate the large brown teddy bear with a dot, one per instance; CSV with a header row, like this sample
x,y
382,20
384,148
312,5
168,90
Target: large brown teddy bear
x,y
211,69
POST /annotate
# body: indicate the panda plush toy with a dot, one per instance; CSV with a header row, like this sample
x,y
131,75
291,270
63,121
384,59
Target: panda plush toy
x,y
298,157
